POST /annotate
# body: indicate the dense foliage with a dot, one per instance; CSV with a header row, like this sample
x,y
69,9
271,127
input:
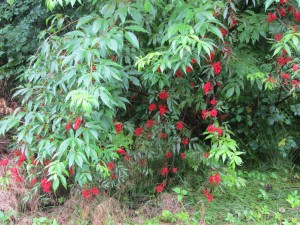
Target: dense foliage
x,y
139,91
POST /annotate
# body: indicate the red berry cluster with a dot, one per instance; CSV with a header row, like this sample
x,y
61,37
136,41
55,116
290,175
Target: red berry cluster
x,y
88,193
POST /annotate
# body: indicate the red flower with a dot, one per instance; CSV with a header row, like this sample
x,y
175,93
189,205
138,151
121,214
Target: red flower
x,y
149,123
21,159
215,179
185,141
178,73
19,179
296,83
297,15
278,37
14,171
207,87
271,17
121,151
188,69
163,95
159,188
162,110
213,113
174,170
118,127
138,131
163,135
291,9
86,193
182,155
211,129
213,101
192,84
152,107
271,80
223,31
194,61
211,180
217,67
77,123
206,154
207,195
68,126
295,67
281,61
110,165
282,12
4,162
33,181
179,125
285,76
283,1
219,131
287,59
205,192
17,153
46,185
233,22
168,155
94,191
164,171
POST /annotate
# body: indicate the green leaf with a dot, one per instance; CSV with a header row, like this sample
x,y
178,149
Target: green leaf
x,y
113,45
84,20
180,198
135,81
229,93
63,181
55,183
10,2
108,9
268,3
216,31
147,6
105,97
136,28
132,39
177,190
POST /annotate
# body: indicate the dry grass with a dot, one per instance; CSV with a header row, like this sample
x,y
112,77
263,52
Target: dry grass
x,y
12,193
109,209
100,210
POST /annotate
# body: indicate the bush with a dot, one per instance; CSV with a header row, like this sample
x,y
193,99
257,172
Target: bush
x,y
134,88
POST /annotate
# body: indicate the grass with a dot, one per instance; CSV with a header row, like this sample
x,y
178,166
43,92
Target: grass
x,y
262,201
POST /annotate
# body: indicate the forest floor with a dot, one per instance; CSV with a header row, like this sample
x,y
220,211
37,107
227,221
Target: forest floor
x,y
271,196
